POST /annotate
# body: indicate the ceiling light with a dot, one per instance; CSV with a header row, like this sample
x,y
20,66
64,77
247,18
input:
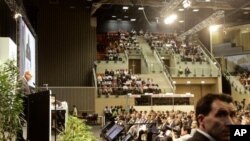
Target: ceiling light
x,y
202,82
140,8
17,15
170,19
125,7
188,82
196,10
132,20
207,0
181,9
113,16
181,21
245,12
174,82
214,28
186,3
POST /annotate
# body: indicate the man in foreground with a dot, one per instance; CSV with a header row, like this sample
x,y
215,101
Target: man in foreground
x,y
214,114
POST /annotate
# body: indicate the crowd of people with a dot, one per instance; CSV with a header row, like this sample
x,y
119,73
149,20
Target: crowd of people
x,y
122,82
244,78
209,122
117,43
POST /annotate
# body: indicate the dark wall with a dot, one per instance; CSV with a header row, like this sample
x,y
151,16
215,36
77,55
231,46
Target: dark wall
x,y
7,22
125,25
66,45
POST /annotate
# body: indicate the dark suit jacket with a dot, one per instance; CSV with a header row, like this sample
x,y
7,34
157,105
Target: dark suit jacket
x,y
25,87
198,137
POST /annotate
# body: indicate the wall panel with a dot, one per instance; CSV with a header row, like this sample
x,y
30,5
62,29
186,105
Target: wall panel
x,y
246,41
7,22
82,97
66,45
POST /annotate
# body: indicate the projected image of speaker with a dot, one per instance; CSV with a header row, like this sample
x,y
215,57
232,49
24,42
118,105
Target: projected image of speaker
x,y
114,132
128,137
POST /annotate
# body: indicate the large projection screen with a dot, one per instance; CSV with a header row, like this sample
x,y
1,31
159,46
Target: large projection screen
x,y
27,50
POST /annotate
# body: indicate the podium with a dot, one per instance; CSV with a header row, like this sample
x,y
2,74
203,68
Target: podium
x,y
39,117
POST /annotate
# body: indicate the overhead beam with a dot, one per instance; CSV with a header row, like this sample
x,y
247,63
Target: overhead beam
x,y
12,5
15,8
205,23
151,3
216,5
170,7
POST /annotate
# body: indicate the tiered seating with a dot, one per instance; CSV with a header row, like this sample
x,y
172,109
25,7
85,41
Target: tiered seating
x,y
129,42
108,47
244,78
122,82
113,43
159,41
192,53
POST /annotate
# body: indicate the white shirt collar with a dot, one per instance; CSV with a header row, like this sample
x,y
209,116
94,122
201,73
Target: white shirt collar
x,y
206,135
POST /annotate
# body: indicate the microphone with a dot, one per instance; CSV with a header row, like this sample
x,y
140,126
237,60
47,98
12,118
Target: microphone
x,y
36,88
46,86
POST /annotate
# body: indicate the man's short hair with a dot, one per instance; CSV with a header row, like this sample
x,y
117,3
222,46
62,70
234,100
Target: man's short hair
x,y
203,106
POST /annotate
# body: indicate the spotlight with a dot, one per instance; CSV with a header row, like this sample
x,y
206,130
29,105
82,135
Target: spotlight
x,y
17,15
125,7
140,8
186,3
214,28
170,19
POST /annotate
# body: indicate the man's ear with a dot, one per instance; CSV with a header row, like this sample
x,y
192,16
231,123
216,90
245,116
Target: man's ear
x,y
200,119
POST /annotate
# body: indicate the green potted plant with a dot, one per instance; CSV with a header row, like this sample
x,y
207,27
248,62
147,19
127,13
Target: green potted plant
x,y
76,130
10,101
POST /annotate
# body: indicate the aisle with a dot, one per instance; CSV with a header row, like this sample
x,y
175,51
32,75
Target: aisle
x,y
96,130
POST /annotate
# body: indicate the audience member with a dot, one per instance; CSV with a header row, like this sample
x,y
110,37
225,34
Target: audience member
x,y
187,71
185,134
75,111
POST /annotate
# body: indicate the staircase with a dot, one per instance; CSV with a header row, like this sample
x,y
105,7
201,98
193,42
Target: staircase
x,y
155,68
153,65
160,79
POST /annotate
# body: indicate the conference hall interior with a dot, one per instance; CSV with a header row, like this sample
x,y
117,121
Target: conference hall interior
x,y
109,63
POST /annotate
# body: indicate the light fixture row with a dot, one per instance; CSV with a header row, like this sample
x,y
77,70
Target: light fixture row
x,y
126,8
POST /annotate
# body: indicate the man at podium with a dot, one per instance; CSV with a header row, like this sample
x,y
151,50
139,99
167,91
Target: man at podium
x,y
25,89
25,79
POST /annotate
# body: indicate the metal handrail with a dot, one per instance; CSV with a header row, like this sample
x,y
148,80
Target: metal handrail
x,y
94,77
209,55
223,71
165,71
126,55
145,59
